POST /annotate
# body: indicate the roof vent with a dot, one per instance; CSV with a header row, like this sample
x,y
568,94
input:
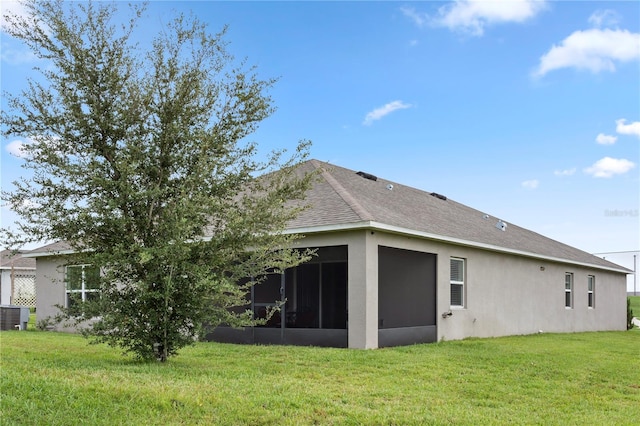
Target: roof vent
x,y
367,176
389,187
439,196
486,216
501,225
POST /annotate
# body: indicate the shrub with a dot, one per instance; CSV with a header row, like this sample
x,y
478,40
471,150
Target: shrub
x,y
44,324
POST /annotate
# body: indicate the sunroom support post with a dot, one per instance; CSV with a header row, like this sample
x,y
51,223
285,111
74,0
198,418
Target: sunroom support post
x,y
363,292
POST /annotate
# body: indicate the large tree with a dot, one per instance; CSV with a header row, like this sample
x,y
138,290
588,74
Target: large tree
x,y
139,159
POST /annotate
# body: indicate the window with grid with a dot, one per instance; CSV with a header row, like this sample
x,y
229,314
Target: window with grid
x,y
591,291
568,290
82,284
457,282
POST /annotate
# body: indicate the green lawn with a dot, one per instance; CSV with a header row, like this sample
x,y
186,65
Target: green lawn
x,y
635,305
586,378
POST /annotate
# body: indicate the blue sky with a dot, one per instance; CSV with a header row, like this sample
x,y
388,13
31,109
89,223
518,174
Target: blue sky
x,y
528,111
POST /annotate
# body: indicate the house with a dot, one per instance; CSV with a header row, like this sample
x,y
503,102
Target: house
x,y
396,265
17,279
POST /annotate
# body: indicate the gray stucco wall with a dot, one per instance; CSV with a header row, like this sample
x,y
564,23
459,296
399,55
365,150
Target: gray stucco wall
x,y
510,295
50,287
505,294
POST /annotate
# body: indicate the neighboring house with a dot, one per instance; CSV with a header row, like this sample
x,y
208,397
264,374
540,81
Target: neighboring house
x,y
396,265
17,279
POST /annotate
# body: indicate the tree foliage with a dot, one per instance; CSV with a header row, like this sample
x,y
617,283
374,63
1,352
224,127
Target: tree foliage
x,y
138,159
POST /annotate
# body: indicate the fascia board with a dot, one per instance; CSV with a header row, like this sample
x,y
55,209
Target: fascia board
x,y
354,226
377,226
49,253
18,268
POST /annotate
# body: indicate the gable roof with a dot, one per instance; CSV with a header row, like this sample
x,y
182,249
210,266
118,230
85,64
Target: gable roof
x,y
342,199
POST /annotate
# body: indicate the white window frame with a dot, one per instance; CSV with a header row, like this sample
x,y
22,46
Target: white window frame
x,y
568,290
83,290
591,291
462,283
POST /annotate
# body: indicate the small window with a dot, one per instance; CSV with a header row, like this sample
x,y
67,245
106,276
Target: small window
x,y
568,290
457,282
591,291
82,284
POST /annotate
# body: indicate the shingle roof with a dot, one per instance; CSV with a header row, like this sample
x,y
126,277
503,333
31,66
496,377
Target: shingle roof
x,y
9,259
342,198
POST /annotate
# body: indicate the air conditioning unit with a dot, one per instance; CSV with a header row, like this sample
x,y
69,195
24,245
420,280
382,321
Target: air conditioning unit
x,y
13,317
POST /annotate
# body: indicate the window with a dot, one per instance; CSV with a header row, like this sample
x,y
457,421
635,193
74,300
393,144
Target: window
x,y
568,290
591,291
83,284
457,282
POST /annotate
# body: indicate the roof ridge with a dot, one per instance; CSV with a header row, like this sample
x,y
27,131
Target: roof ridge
x,y
343,193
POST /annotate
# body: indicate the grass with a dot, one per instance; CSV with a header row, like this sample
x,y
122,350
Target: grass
x,y
635,305
586,378
31,325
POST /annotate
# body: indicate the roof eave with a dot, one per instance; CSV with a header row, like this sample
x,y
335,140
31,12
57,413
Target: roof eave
x,y
377,226
49,253
31,268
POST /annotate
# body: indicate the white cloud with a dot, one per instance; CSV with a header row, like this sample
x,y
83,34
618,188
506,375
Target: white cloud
x,y
20,14
420,19
566,172
530,184
16,56
628,129
594,50
9,7
27,204
378,113
604,18
16,148
603,139
472,16
607,167
12,52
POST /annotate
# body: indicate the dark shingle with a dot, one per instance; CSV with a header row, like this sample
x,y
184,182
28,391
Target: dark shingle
x,y
342,197
10,259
